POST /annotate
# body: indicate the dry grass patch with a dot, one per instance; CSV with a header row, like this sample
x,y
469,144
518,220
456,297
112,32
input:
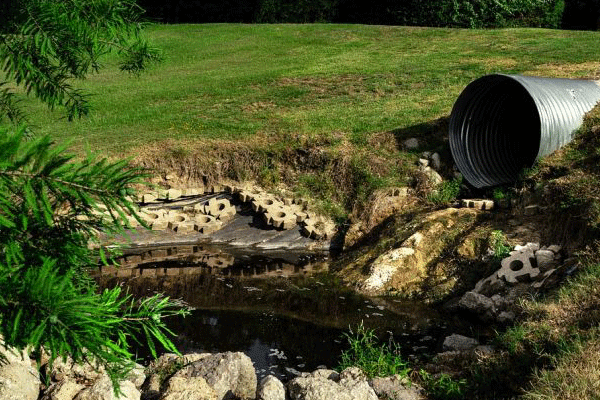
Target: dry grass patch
x,y
585,70
576,377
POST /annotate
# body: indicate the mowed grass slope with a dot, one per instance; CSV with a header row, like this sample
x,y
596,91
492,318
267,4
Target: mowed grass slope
x,y
292,83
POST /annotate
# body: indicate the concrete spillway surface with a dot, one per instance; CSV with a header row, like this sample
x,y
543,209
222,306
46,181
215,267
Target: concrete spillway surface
x,y
246,230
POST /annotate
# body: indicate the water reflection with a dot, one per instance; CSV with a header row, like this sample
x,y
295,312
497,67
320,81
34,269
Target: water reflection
x,y
286,316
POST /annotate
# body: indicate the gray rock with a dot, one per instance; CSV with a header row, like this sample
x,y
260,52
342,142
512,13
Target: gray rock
x,y
476,303
137,375
102,389
396,388
490,285
528,246
68,369
66,389
18,379
555,248
432,175
506,316
457,342
151,388
230,374
191,388
436,161
352,386
270,388
423,162
499,302
484,350
326,374
411,144
545,260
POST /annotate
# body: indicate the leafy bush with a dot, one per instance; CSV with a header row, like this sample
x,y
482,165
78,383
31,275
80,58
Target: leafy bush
x,y
296,11
499,245
373,358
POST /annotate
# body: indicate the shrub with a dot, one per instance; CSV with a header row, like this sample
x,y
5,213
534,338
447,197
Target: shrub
x,y
373,358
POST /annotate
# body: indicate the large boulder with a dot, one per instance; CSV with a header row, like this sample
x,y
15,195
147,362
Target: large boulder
x,y
192,388
18,379
67,389
352,385
407,267
102,389
231,375
396,388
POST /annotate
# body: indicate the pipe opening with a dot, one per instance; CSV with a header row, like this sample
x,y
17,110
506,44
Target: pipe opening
x,y
495,131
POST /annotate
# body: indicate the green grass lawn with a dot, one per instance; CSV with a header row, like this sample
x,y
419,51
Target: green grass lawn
x,y
283,82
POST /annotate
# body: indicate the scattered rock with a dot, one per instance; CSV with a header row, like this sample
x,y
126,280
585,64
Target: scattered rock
x,y
436,161
506,317
476,303
457,342
545,260
411,144
353,385
229,374
396,388
433,177
270,388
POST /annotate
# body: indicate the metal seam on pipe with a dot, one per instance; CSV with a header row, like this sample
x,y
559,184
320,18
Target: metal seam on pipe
x,y
489,148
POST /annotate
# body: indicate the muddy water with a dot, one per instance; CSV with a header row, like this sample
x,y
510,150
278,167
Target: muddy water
x,y
286,312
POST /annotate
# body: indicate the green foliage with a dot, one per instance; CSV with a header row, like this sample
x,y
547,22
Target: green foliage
x,y
446,192
373,358
46,44
443,387
52,205
447,13
296,11
49,207
499,245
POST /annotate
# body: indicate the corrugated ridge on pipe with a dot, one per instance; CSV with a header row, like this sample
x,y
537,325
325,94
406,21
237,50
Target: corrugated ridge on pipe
x,y
501,124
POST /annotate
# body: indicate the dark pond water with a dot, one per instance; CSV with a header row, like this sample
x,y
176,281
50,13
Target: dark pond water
x,y
287,317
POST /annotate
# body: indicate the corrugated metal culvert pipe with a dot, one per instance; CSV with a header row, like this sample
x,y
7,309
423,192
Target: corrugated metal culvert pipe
x,y
501,124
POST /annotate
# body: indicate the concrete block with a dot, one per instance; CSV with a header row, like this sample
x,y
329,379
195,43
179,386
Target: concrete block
x,y
220,208
215,189
519,267
186,227
281,217
149,197
484,205
206,224
192,191
160,224
173,194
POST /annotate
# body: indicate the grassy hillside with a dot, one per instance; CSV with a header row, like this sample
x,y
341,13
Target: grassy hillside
x,y
286,82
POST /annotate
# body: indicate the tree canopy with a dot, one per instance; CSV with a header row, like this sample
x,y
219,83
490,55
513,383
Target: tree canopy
x,y
46,45
53,204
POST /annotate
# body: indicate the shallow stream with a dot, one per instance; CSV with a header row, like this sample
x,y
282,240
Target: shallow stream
x,y
287,312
